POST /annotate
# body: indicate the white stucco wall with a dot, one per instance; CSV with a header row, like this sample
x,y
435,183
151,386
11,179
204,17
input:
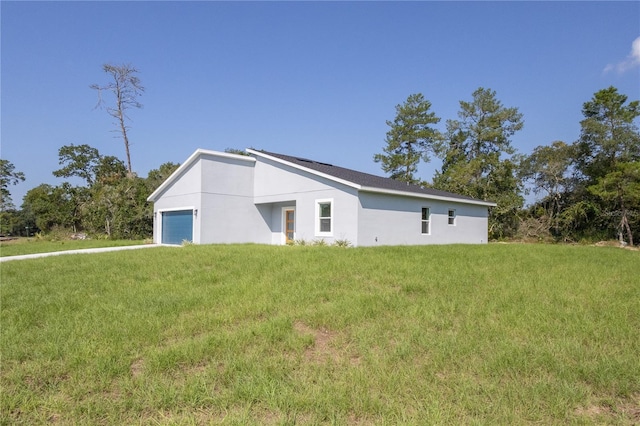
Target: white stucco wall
x,y
243,199
395,220
281,186
183,194
220,188
227,206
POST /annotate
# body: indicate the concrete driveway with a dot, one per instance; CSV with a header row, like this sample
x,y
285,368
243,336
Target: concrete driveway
x,y
92,250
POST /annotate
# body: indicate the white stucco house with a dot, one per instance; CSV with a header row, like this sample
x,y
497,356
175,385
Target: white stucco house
x,y
268,198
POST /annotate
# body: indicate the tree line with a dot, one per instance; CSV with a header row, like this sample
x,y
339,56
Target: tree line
x,y
112,202
587,189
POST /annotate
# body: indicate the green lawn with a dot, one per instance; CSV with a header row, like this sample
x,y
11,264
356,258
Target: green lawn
x,y
32,245
248,334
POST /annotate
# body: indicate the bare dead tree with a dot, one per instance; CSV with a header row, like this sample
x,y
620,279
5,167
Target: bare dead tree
x,y
126,87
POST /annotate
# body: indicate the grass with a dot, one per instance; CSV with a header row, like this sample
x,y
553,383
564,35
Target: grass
x,y
31,245
247,334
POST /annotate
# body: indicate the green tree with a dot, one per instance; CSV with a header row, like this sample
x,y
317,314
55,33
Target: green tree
x,y
109,169
606,154
8,176
79,207
113,202
156,177
410,139
17,222
479,160
53,206
126,87
608,134
119,209
620,190
548,168
78,160
85,162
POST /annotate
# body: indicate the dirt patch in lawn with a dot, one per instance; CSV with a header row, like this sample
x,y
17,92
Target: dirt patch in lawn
x,y
627,410
136,368
326,346
321,350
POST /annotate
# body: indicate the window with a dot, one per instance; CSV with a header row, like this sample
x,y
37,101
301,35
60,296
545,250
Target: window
x,y
452,217
324,218
426,219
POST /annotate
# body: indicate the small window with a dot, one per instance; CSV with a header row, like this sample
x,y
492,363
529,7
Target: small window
x,y
324,223
452,217
426,219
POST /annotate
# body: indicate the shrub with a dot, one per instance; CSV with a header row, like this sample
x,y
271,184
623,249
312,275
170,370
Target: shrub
x,y
342,243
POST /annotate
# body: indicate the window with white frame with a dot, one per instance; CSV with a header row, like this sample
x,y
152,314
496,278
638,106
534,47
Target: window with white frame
x,y
324,217
452,217
426,221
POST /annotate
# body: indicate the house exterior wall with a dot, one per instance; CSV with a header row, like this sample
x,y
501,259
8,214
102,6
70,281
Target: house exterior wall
x,y
227,206
276,222
184,193
220,191
396,220
240,200
281,186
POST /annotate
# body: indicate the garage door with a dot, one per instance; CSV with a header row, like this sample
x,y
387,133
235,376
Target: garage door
x,y
177,227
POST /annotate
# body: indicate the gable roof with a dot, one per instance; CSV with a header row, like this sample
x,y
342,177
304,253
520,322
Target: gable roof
x,y
365,181
192,159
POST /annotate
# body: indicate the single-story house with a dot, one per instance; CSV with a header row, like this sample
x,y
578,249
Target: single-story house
x,y
268,198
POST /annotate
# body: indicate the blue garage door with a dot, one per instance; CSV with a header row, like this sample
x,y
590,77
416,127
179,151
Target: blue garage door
x,y
177,227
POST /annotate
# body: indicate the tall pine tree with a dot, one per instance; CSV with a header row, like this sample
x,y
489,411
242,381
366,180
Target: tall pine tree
x,y
479,160
409,140
608,153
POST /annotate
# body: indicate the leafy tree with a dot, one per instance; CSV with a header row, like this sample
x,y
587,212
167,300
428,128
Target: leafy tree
x,y
410,139
110,169
8,219
52,206
86,162
156,177
620,189
119,210
80,207
113,202
126,87
8,176
482,135
548,169
479,160
78,160
17,222
505,188
608,134
608,148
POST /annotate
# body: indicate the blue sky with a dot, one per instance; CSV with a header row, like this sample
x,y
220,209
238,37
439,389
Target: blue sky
x,y
312,79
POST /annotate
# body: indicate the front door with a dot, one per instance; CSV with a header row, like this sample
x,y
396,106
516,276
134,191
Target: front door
x,y
289,225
